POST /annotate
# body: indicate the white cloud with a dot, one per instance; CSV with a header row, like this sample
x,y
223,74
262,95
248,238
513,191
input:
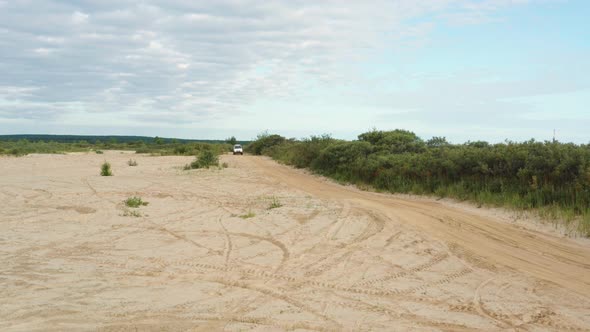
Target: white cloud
x,y
198,62
44,51
79,17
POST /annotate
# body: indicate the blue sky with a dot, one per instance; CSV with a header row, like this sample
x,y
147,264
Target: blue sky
x,y
464,69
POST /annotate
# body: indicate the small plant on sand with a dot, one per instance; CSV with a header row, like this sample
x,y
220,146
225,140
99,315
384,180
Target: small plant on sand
x,y
99,152
135,202
224,165
248,215
275,203
132,162
105,169
130,213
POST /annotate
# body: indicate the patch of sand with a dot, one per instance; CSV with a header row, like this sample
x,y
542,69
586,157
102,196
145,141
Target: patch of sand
x,y
330,258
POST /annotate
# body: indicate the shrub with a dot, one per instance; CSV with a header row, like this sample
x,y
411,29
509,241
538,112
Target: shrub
x,y
105,169
98,152
206,159
132,162
135,202
265,142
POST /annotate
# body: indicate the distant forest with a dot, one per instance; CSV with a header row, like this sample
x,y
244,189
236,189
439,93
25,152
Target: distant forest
x,y
104,139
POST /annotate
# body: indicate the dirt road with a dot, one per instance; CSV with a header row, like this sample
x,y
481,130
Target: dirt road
x,y
209,253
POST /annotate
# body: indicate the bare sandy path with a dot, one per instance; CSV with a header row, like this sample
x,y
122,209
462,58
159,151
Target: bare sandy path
x,y
330,258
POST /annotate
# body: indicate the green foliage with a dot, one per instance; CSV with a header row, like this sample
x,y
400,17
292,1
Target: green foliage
x,y
231,140
275,203
206,159
105,169
396,141
131,213
264,142
527,175
135,202
248,215
19,145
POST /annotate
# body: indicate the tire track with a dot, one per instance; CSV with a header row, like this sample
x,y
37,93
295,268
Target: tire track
x,y
433,261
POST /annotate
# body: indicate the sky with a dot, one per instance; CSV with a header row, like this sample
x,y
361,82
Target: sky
x,y
463,69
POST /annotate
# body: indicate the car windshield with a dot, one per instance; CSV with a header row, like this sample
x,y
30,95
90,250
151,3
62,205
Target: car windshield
x,y
238,146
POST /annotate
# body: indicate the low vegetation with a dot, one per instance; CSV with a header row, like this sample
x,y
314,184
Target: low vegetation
x,y
131,213
135,202
275,203
550,177
248,215
20,145
205,159
105,169
132,162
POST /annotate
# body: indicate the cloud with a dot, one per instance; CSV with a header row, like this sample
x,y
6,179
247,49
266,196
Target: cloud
x,y
79,17
201,62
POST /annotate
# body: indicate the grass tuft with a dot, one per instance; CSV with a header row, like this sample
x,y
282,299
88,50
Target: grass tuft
x,y
132,162
275,203
248,215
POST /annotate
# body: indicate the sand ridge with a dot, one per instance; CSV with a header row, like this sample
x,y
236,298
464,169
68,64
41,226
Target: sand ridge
x,y
331,258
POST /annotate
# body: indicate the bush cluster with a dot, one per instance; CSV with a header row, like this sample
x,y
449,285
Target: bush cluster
x,y
526,175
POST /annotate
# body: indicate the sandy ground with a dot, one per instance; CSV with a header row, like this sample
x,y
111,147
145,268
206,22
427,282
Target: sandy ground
x,y
330,258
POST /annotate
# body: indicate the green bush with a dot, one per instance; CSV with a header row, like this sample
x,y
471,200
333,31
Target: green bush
x,y
206,159
105,169
135,202
265,142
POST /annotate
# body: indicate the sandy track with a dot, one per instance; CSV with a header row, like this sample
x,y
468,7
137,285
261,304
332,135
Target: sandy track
x,y
331,258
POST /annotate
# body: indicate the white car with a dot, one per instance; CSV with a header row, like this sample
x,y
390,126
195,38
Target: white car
x,y
238,149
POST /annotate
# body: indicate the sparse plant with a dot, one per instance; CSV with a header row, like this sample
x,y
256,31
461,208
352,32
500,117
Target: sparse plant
x,y
98,152
275,203
105,169
132,162
135,202
248,215
224,165
132,213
